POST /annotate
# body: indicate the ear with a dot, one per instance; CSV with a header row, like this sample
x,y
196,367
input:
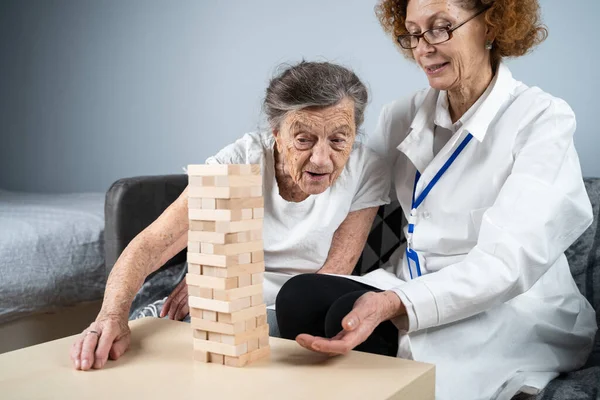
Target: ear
x,y
490,33
275,132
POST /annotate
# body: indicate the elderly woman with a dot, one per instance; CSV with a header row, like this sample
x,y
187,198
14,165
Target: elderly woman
x,y
319,192
485,170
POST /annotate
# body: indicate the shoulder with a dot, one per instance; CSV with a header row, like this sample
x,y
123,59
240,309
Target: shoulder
x,y
249,149
395,120
362,161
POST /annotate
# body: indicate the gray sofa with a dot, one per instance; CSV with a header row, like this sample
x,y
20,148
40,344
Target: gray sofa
x,y
133,203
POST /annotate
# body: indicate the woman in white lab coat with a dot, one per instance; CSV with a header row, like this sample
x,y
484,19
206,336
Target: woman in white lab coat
x,y
490,183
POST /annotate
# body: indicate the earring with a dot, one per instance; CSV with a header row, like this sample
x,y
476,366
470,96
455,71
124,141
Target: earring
x,y
488,45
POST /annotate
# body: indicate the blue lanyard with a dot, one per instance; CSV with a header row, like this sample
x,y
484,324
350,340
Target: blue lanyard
x,y
416,202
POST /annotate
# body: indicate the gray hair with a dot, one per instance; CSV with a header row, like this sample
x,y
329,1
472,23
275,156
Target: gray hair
x,y
313,84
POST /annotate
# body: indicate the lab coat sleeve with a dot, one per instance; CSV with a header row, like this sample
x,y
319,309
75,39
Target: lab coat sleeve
x,y
541,209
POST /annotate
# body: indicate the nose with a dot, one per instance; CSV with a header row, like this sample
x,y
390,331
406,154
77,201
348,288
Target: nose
x,y
320,154
423,48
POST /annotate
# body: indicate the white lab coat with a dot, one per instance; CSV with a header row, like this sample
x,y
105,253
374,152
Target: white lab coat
x,y
496,310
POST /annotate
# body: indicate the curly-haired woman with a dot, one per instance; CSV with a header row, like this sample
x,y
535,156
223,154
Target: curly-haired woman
x,y
486,172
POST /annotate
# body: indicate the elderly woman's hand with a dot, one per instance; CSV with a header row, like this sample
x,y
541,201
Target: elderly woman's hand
x,y
368,312
176,306
108,336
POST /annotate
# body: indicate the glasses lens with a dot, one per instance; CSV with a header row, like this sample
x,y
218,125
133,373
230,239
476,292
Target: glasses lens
x,y
437,36
407,41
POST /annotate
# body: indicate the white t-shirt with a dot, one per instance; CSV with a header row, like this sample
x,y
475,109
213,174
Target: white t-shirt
x,y
297,236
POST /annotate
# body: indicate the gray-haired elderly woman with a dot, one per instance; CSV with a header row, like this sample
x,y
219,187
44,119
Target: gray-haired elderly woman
x,y
321,191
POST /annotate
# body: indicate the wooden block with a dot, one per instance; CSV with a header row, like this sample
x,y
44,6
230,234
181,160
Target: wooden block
x,y
220,348
195,203
257,278
202,226
209,315
251,324
258,256
234,204
220,238
215,192
258,213
208,204
193,247
238,180
232,249
236,270
201,181
218,305
238,293
201,356
256,299
211,326
238,226
216,260
245,336
261,320
252,344
219,215
197,291
256,235
216,358
222,169
211,282
242,315
207,270
200,334
263,341
194,269
248,358
245,280
214,337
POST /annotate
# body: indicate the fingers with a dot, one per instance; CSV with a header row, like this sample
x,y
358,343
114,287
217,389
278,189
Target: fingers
x,y
364,308
179,303
88,349
104,345
119,347
342,345
76,352
169,302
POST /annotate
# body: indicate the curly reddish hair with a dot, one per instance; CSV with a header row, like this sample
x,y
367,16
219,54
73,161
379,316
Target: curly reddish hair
x,y
516,24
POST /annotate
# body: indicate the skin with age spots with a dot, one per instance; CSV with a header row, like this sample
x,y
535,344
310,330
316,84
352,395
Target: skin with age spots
x,y
312,148
466,69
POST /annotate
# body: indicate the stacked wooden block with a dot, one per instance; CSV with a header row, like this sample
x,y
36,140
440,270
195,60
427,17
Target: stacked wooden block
x,y
226,264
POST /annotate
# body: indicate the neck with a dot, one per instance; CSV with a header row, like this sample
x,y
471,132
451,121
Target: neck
x,y
288,189
463,97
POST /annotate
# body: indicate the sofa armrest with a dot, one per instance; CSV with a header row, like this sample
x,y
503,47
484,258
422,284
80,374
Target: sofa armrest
x,y
134,203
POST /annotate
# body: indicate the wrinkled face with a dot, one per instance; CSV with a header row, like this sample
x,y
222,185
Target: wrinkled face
x,y
315,144
456,62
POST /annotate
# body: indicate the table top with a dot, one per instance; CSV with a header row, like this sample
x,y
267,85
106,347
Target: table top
x,y
160,365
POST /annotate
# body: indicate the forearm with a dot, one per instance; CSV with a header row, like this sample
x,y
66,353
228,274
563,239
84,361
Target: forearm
x,y
348,242
127,277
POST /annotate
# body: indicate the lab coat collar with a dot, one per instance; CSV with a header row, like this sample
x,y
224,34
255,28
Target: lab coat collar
x,y
418,144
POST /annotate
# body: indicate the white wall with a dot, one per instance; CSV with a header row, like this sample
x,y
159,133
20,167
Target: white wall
x,y
92,91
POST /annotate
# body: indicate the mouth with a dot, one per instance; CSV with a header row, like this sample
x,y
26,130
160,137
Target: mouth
x,y
316,177
435,69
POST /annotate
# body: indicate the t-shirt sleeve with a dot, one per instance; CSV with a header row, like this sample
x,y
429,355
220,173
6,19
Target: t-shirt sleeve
x,y
234,153
374,181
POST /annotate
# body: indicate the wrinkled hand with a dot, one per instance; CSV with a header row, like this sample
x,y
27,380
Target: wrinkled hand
x,y
368,312
176,305
107,337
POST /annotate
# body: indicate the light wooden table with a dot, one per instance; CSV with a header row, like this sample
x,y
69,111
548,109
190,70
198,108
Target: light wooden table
x,y
159,365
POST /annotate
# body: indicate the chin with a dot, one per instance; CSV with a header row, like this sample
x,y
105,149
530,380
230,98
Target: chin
x,y
313,189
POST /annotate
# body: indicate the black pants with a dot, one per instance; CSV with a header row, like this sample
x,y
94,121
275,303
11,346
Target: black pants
x,y
316,304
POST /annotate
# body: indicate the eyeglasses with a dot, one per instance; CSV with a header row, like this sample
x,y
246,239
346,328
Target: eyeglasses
x,y
432,36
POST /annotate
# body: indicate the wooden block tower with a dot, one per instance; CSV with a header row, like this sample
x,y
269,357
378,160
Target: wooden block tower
x,y
226,264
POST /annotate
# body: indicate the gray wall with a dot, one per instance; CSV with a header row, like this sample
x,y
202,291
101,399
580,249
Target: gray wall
x,y
92,91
